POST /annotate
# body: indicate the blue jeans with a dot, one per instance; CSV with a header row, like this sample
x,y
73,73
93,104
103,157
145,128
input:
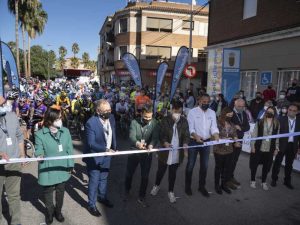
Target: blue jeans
x,y
97,185
192,156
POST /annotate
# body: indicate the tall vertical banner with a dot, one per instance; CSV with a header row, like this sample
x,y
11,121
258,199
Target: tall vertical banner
x,y
180,62
9,62
214,79
160,75
133,67
1,73
231,72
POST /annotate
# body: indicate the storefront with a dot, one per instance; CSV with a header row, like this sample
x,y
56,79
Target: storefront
x,y
267,59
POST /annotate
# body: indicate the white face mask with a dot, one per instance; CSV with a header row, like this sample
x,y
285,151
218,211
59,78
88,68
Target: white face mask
x,y
57,123
266,107
282,96
284,110
176,116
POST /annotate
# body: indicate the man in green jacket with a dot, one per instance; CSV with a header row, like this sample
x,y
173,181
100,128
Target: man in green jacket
x,y
143,134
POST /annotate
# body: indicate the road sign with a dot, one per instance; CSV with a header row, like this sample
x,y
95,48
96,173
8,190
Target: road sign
x,y
190,71
266,78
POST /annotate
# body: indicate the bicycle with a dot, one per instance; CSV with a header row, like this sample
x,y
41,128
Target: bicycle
x,y
28,145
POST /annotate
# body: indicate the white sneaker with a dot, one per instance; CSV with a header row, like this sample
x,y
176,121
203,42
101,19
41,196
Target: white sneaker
x,y
265,186
172,197
253,184
154,190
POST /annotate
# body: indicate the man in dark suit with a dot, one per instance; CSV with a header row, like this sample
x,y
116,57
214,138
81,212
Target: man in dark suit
x,y
288,146
100,137
240,120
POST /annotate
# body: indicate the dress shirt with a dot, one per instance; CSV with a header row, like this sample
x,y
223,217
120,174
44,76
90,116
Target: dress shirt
x,y
203,123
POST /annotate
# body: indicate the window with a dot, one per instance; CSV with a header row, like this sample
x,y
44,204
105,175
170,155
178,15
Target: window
x,y
285,78
122,51
250,8
157,52
202,56
248,83
123,25
186,25
203,29
159,25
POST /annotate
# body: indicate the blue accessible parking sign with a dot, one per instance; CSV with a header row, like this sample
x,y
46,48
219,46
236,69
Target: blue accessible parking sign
x,y
266,78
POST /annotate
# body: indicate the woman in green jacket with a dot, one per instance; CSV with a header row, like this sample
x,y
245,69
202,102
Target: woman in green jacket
x,y
53,140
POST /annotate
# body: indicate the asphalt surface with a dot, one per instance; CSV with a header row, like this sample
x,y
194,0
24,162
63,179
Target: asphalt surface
x,y
278,206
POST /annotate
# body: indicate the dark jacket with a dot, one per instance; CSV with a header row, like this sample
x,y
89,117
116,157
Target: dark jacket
x,y
95,142
242,122
149,133
284,128
256,107
166,134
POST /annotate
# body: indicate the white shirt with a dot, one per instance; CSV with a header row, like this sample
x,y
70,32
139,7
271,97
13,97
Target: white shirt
x,y
203,123
292,124
107,133
121,108
173,157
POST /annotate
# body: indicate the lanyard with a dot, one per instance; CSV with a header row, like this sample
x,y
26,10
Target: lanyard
x,y
269,128
241,119
292,125
56,138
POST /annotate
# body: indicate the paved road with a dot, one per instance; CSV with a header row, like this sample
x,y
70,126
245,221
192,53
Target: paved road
x,y
278,206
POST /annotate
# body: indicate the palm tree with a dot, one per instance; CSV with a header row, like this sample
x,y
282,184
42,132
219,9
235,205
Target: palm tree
x,y
62,54
86,59
74,62
13,7
35,25
75,49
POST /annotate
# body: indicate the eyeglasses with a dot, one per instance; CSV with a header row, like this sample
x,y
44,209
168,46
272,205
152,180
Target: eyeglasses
x,y
22,101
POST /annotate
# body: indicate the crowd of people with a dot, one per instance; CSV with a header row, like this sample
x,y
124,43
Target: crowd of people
x,y
49,109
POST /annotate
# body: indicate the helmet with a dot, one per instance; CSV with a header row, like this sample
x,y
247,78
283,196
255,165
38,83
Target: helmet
x,y
63,94
22,99
12,95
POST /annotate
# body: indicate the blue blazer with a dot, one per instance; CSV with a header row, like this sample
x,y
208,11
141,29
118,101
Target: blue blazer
x,y
95,142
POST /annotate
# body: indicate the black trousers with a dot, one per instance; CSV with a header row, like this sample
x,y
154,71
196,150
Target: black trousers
x,y
59,197
264,158
235,157
162,167
222,168
289,155
133,161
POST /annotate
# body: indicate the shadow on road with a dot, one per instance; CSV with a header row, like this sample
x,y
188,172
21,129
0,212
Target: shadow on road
x,y
31,191
78,182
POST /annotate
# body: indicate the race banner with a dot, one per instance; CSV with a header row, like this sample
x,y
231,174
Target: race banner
x,y
1,73
9,63
180,63
133,67
161,72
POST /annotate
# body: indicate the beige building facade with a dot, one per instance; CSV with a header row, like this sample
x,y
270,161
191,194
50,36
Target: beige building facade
x,y
153,32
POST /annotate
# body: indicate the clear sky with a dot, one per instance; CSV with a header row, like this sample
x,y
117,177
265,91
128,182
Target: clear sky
x,y
69,21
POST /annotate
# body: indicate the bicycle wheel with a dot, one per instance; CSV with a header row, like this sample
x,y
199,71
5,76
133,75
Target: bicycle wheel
x,y
29,148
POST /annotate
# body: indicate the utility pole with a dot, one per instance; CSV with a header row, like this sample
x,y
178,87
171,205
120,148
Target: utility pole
x,y
191,41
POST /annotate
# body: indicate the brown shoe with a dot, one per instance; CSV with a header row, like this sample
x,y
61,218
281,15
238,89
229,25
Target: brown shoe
x,y
230,185
235,182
